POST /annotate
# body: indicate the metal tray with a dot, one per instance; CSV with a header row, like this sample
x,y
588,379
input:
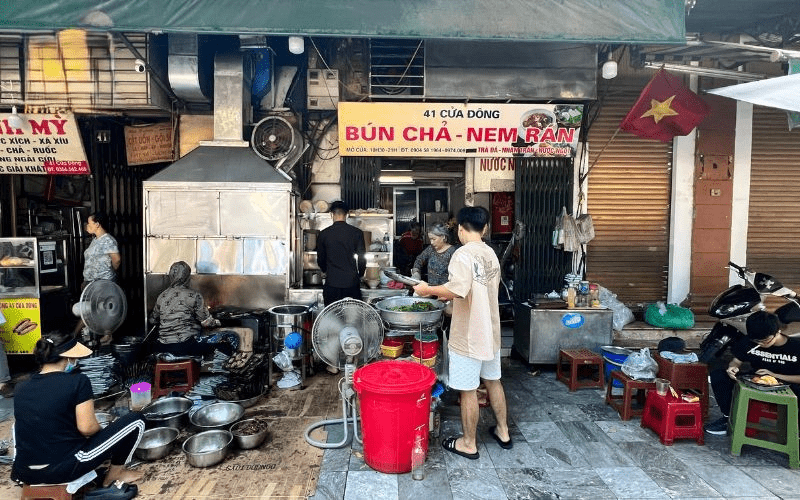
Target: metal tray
x,y
747,379
402,279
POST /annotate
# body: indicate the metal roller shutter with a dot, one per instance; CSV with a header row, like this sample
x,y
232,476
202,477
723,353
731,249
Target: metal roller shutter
x,y
629,201
773,229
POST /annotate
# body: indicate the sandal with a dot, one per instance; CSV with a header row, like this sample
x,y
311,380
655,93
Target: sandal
x,y
449,444
506,445
116,491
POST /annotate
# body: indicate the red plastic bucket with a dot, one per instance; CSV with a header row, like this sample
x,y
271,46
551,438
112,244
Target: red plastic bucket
x,y
428,345
395,400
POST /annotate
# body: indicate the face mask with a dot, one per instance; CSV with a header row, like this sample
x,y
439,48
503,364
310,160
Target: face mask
x,y
71,365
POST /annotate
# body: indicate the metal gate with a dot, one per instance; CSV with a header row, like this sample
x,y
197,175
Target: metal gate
x,y
360,181
543,186
117,190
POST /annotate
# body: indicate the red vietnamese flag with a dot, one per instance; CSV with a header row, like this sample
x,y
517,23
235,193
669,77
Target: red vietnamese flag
x,y
665,109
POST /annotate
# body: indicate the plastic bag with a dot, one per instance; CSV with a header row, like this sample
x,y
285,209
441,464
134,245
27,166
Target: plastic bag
x,y
621,314
571,240
668,316
640,365
558,232
585,228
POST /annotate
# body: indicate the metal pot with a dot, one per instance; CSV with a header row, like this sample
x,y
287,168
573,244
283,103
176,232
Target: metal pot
x,y
290,318
312,277
156,443
409,319
168,412
207,448
310,239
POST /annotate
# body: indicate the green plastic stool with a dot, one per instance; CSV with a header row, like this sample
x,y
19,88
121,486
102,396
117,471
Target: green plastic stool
x,y
784,431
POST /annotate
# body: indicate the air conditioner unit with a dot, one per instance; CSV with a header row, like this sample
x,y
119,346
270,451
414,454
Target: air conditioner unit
x,y
322,89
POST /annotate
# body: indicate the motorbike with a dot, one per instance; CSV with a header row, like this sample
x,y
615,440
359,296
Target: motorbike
x,y
733,306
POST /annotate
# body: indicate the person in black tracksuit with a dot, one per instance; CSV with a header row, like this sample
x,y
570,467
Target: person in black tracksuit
x,y
58,438
340,255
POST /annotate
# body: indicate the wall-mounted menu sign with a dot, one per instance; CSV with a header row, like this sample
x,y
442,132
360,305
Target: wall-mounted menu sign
x,y
149,144
47,144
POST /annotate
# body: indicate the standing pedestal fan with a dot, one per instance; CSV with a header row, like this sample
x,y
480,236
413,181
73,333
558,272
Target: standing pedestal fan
x,y
346,334
102,307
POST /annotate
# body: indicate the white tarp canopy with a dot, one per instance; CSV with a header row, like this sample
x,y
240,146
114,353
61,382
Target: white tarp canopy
x,y
782,92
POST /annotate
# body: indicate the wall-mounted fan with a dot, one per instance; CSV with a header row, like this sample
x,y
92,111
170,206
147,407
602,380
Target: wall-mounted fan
x,y
346,334
277,141
102,307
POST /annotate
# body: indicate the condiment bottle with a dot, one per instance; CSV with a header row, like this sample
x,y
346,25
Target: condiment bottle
x,y
418,459
571,298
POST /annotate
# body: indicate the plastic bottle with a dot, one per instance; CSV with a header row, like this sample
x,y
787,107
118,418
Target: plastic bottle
x,y
571,298
418,460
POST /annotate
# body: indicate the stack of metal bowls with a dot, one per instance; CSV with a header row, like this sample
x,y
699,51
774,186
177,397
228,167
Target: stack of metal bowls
x,y
216,416
207,448
168,412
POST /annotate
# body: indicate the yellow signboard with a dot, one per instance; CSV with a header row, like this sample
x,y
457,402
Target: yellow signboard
x,y
23,326
458,130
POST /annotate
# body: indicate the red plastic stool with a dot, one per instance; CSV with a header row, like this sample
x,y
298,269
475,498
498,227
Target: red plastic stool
x,y
45,492
685,377
673,418
758,411
624,404
580,361
165,376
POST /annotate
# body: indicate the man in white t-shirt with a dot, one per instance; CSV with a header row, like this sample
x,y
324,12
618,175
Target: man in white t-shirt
x,y
474,341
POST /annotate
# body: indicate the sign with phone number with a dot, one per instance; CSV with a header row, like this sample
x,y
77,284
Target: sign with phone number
x,y
45,144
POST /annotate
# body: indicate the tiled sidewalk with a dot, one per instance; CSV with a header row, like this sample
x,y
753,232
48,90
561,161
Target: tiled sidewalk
x,y
566,445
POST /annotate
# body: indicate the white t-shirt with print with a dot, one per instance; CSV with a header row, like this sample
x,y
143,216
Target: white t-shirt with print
x,y
474,277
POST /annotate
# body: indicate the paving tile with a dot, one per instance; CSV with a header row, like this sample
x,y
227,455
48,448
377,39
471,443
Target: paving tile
x,y
560,454
371,484
729,481
630,482
598,411
435,486
336,459
535,432
330,486
518,457
527,484
578,432
580,483
779,480
623,430
475,484
693,455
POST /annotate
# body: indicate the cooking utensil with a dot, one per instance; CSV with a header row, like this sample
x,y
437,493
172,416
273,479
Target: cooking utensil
x,y
747,379
156,443
246,403
249,441
409,318
216,416
168,412
207,448
400,278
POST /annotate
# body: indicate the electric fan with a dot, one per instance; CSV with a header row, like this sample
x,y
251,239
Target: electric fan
x,y
102,307
275,139
346,334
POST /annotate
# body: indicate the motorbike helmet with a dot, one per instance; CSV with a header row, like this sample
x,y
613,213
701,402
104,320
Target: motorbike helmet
x,y
672,344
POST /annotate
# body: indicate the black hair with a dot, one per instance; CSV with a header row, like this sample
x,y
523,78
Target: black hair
x,y
48,349
473,219
101,218
339,207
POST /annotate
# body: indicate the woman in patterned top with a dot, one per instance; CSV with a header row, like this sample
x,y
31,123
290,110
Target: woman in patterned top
x,y
436,256
101,259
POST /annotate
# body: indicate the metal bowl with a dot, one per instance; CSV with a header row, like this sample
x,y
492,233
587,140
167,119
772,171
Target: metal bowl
x,y
246,403
168,412
249,441
207,448
406,318
156,443
216,416
103,418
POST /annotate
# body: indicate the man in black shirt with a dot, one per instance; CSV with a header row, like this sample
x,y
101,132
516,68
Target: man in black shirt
x,y
768,351
340,255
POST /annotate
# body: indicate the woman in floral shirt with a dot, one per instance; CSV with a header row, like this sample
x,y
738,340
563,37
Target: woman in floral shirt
x,y
436,256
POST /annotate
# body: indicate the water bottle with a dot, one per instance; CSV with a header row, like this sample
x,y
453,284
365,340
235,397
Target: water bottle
x,y
418,460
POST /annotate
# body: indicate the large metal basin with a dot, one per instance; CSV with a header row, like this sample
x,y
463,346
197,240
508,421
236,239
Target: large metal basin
x,y
207,448
156,443
216,416
168,412
409,319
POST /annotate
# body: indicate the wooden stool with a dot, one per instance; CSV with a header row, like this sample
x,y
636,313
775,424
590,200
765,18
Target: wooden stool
x,y
165,371
624,404
672,418
45,492
685,377
753,424
579,360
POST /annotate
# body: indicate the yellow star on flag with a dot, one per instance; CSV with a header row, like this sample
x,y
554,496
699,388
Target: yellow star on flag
x,y
659,110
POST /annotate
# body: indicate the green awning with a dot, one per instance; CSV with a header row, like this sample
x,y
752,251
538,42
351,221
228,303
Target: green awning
x,y
592,21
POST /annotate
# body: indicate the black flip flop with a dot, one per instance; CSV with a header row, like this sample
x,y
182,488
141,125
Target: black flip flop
x,y
116,491
449,444
506,445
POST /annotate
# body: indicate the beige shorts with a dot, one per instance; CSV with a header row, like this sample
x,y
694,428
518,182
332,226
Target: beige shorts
x,y
465,373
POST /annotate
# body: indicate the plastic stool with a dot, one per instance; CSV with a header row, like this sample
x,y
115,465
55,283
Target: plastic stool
x,y
672,418
579,360
685,377
165,370
624,404
45,492
774,431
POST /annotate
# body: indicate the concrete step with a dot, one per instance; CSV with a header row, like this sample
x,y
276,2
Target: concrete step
x,y
640,334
